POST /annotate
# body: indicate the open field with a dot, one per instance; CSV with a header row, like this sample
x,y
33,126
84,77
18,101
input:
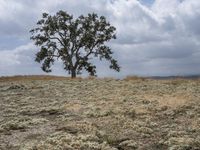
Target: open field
x,y
57,113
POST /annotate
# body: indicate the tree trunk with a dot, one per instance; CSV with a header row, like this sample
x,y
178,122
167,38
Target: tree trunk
x,y
73,75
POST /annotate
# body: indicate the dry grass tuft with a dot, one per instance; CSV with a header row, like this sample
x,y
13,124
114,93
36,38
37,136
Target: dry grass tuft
x,y
133,78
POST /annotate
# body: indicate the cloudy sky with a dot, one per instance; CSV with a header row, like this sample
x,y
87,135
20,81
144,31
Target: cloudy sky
x,y
154,37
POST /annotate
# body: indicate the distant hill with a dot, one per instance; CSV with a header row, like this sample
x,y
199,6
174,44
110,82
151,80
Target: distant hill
x,y
175,77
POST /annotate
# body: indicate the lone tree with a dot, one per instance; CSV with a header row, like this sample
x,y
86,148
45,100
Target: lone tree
x,y
74,41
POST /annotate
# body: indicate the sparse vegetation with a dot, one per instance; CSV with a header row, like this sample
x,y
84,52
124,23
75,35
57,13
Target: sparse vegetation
x,y
57,113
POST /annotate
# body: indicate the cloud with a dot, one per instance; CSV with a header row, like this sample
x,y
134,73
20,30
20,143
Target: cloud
x,y
158,39
21,61
18,61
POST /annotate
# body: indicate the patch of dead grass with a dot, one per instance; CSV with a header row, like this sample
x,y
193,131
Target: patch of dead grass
x,y
74,107
134,78
172,101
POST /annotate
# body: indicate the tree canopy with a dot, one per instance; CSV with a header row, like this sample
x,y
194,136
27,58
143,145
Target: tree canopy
x,y
73,41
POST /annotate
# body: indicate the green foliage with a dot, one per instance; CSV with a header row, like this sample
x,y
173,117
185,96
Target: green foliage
x,y
74,41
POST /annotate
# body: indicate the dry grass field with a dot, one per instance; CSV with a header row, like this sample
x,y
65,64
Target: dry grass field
x,y
57,113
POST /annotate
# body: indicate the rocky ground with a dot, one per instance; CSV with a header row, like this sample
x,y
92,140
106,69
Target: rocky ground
x,y
99,114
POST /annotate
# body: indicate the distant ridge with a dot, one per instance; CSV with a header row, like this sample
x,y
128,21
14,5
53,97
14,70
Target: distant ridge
x,y
175,77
